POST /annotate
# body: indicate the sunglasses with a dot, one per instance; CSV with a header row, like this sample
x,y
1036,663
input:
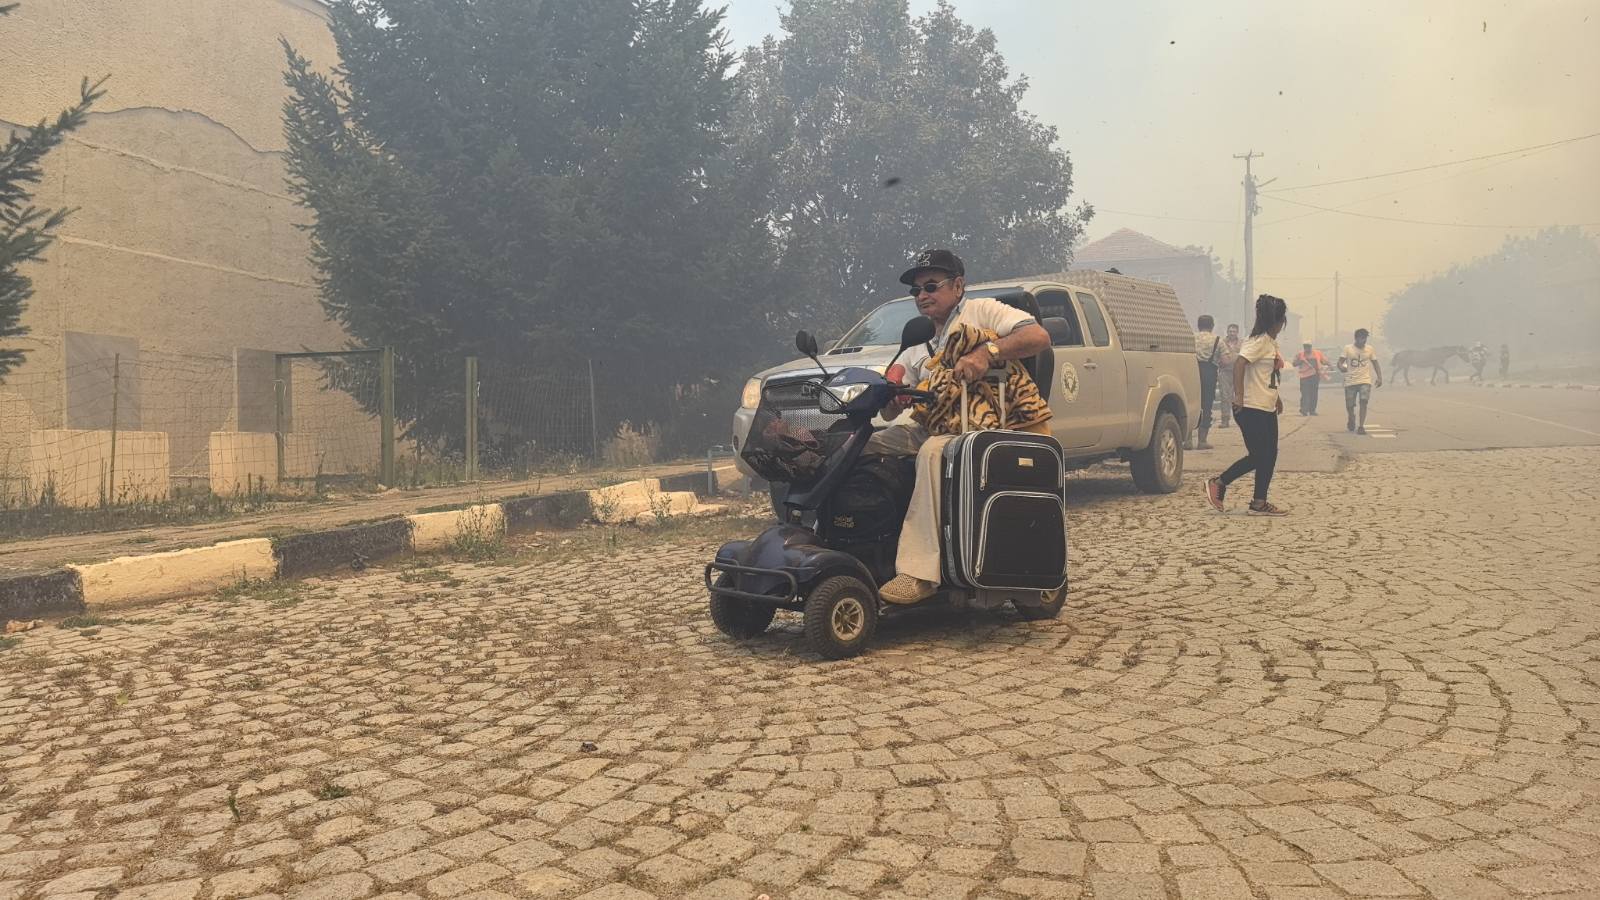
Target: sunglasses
x,y
929,287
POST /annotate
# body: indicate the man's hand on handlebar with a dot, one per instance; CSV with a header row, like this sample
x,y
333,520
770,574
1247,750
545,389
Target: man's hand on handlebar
x,y
904,398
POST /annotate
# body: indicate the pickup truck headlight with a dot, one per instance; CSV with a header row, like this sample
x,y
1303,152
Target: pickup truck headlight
x,y
751,398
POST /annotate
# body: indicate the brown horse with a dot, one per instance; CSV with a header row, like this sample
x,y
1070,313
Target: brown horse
x,y
1433,359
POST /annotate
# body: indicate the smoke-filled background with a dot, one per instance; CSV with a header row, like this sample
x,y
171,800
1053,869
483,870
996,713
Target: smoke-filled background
x,y
1153,99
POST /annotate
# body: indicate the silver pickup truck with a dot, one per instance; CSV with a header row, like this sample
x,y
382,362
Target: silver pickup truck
x,y
1120,376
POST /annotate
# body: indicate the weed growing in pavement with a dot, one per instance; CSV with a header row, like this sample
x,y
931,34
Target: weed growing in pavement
x,y
331,791
660,506
257,589
423,574
604,504
480,535
90,621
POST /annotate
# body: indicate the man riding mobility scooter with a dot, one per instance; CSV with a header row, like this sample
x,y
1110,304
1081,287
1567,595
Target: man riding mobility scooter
x,y
1002,516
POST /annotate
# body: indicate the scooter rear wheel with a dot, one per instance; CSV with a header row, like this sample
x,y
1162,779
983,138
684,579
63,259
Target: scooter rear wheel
x,y
1049,606
739,619
841,615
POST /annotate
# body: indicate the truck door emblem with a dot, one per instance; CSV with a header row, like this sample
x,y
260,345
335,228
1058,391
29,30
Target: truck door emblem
x,y
1069,383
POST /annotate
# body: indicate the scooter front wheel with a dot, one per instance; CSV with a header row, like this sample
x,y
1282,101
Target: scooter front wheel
x,y
841,615
736,618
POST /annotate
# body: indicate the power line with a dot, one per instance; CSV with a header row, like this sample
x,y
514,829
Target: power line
x,y
1346,212
1123,212
1498,162
1457,162
1325,277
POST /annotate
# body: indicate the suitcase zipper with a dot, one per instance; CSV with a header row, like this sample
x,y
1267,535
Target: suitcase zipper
x,y
983,479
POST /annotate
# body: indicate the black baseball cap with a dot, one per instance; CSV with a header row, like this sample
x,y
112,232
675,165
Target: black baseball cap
x,y
943,260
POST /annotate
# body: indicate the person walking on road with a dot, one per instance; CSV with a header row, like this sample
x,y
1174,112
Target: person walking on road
x,y
1207,347
1313,369
1359,363
1225,357
1479,357
1256,407
1505,360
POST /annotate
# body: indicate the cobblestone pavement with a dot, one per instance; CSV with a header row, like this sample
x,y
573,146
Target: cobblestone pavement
x,y
1392,693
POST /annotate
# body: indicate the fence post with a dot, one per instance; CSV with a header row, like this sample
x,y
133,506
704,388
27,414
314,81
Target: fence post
x,y
386,425
472,418
280,396
116,392
594,420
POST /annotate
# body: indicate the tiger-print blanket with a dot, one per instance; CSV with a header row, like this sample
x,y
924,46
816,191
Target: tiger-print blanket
x,y
1026,410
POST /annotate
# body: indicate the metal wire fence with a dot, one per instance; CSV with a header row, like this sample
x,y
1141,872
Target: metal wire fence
x,y
134,426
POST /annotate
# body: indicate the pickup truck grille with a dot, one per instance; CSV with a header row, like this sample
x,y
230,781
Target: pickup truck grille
x,y
798,403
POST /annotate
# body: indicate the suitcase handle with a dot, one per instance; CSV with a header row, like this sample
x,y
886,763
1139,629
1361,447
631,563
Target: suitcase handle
x,y
1000,383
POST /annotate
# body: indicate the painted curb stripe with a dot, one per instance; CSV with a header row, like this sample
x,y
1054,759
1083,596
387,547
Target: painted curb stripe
x,y
177,573
196,570
300,555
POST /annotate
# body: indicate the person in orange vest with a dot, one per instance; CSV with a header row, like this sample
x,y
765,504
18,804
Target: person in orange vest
x,y
1313,369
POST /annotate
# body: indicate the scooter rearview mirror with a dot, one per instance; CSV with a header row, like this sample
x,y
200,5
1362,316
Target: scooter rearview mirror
x,y
806,343
916,331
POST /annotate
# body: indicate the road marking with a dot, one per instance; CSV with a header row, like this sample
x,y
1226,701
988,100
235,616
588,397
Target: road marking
x,y
1507,412
1378,431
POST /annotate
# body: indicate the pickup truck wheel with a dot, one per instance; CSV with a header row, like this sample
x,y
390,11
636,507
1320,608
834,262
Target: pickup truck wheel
x,y
1158,468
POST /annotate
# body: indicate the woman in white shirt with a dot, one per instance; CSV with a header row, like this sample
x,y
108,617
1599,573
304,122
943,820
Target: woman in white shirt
x,y
1256,406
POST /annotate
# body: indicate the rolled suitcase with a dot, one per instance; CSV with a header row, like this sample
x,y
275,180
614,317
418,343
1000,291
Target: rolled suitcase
x,y
1003,508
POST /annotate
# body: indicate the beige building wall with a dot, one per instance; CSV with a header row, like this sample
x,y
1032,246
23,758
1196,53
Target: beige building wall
x,y
185,238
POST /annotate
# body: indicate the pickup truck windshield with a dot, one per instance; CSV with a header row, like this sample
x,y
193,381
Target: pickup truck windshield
x,y
883,325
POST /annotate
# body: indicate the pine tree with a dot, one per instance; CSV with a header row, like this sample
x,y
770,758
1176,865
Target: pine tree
x,y
26,231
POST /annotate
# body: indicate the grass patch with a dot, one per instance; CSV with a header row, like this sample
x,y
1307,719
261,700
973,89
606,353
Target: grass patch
x,y
46,517
6,643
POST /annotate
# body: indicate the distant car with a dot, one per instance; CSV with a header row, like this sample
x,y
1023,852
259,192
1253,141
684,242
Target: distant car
x,y
1120,377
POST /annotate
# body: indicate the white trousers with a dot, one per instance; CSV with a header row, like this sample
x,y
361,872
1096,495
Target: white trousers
x,y
918,555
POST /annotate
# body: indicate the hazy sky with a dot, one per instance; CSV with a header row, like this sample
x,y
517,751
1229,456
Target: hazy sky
x,y
1153,97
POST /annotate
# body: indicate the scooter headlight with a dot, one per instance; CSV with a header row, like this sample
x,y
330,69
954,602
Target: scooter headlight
x,y
834,399
751,398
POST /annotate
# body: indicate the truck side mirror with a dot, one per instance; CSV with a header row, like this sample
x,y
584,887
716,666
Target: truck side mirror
x,y
806,343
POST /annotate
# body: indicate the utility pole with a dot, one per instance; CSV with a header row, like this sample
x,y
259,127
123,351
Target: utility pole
x,y
1336,304
1250,210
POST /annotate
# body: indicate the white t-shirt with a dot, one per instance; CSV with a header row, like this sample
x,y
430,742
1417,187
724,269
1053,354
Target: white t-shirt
x,y
1358,364
980,312
1262,365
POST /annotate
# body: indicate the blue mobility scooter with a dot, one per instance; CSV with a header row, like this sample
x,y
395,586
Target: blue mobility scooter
x,y
1002,517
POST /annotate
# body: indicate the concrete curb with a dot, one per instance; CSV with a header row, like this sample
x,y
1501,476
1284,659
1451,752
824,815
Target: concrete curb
x,y
178,573
31,594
